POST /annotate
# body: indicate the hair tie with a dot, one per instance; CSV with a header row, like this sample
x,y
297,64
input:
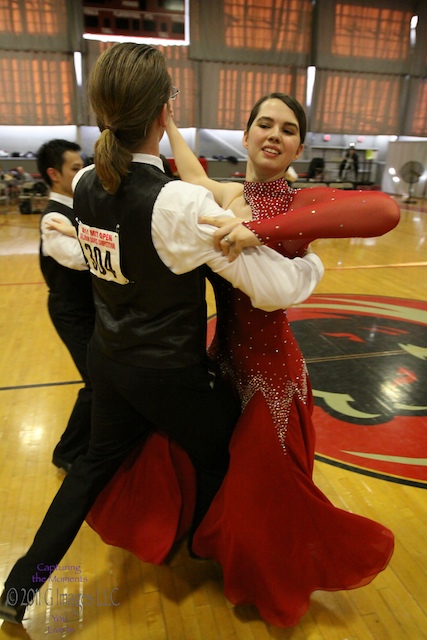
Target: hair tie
x,y
110,128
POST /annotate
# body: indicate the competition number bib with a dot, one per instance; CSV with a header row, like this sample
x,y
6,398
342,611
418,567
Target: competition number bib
x,y
101,249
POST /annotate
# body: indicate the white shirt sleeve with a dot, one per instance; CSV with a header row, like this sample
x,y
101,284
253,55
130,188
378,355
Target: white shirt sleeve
x,y
269,279
64,249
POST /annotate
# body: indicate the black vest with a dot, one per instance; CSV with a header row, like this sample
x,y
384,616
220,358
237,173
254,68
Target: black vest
x,y
157,320
72,286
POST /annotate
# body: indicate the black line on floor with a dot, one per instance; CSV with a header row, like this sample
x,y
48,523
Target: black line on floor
x,y
41,384
372,474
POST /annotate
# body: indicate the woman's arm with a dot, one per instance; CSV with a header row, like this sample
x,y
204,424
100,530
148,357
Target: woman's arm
x,y
315,213
59,240
329,213
63,225
190,169
271,280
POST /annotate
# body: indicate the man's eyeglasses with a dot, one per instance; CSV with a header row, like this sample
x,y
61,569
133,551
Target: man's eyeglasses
x,y
174,93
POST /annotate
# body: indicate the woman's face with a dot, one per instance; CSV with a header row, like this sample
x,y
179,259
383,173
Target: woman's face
x,y
273,141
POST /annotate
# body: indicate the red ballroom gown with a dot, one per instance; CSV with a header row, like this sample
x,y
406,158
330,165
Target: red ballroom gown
x,y
276,536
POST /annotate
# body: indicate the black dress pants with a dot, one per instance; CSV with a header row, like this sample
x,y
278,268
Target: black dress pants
x,y
193,406
75,328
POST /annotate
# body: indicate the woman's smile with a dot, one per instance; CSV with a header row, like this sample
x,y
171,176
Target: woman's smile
x,y
273,141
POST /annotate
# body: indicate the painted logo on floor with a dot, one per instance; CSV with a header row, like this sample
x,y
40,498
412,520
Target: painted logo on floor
x,y
367,358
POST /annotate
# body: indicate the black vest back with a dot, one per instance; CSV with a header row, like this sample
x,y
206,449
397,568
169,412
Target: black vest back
x,y
158,319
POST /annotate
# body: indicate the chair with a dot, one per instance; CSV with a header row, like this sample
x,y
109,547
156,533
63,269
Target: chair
x,y
25,198
4,195
33,196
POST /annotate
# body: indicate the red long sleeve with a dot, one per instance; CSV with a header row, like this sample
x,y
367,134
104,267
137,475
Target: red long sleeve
x,y
325,213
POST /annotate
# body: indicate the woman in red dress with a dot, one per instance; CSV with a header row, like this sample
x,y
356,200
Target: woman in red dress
x,y
277,537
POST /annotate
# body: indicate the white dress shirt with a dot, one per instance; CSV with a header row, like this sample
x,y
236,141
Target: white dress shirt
x,y
64,249
270,280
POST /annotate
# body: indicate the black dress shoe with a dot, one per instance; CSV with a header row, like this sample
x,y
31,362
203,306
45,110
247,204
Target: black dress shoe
x,y
61,464
10,613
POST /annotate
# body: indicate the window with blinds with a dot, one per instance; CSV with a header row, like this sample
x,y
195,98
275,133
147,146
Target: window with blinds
x,y
239,88
267,24
37,81
417,125
38,17
371,32
356,103
36,89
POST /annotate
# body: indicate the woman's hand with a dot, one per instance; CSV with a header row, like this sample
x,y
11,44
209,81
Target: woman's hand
x,y
62,227
231,237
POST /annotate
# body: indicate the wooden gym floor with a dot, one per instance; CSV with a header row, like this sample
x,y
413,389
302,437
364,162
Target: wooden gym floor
x,y
183,600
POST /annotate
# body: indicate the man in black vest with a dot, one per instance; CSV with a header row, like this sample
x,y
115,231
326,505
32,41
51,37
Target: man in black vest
x,y
147,252
70,300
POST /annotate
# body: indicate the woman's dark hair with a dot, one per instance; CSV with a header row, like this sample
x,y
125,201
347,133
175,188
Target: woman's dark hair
x,y
293,104
128,87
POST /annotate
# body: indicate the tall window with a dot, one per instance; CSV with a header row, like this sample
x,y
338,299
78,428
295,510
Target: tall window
x,y
267,24
356,103
38,17
37,84
239,88
182,72
371,32
36,89
419,117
